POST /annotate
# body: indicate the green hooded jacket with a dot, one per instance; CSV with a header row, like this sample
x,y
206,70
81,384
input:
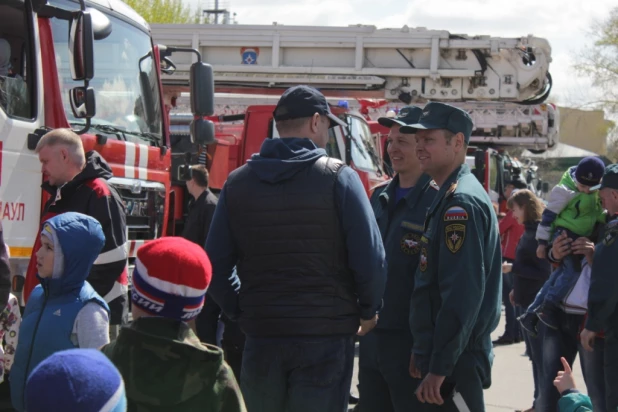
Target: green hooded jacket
x,y
571,209
166,368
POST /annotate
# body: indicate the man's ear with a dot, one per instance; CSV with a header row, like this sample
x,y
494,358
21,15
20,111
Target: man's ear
x,y
460,140
315,122
64,154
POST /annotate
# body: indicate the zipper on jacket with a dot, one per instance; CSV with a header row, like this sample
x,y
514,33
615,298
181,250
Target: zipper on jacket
x,y
36,328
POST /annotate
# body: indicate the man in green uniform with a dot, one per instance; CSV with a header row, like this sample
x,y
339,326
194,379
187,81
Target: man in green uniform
x,y
400,206
603,292
456,299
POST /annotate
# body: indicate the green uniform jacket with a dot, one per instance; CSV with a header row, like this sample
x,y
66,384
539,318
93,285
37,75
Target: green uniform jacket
x,y
401,227
575,402
603,292
166,368
456,300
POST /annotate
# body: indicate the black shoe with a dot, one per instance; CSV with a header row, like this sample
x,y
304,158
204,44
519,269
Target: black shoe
x,y
353,400
503,340
528,323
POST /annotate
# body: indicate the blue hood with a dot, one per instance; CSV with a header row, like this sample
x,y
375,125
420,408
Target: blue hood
x,y
81,239
280,159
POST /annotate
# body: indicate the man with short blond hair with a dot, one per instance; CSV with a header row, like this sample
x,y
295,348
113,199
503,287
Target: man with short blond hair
x,y
77,182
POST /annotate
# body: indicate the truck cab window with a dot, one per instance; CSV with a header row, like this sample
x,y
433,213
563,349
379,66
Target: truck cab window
x,y
14,46
363,151
121,101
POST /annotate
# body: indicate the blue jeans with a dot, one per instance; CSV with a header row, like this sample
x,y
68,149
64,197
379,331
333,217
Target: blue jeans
x,y
534,347
594,374
560,342
297,374
385,384
512,329
562,280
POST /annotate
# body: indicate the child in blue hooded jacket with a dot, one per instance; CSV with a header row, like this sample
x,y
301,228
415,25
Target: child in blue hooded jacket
x,y
64,311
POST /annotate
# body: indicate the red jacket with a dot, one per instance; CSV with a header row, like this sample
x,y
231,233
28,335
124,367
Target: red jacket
x,y
510,233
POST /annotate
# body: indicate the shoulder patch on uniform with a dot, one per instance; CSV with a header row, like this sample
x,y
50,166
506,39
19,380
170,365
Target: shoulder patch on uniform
x,y
454,236
455,213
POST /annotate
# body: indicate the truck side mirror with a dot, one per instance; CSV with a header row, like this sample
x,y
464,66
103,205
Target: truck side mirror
x,y
202,89
81,47
82,102
202,131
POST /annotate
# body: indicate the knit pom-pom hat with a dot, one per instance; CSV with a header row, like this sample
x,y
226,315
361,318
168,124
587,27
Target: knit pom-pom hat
x,y
170,278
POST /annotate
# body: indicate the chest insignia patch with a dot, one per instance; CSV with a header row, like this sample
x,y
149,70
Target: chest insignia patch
x,y
455,213
410,243
454,236
423,260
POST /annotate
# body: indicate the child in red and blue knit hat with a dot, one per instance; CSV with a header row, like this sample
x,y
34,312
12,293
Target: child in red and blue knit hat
x,y
159,355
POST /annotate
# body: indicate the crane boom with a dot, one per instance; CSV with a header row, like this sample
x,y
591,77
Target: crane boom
x,y
501,82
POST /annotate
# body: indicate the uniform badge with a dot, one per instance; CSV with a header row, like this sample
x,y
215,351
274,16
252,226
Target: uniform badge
x,y
455,235
455,213
410,243
423,260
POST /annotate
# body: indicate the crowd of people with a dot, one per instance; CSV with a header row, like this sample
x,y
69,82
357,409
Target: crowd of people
x,y
299,264
552,283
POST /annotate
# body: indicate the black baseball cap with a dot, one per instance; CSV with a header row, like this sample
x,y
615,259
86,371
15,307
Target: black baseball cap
x,y
442,116
610,178
407,115
304,101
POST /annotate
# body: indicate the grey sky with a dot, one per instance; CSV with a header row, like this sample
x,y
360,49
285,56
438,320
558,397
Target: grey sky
x,y
565,23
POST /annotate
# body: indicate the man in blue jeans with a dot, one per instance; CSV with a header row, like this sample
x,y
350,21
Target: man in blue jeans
x,y
300,230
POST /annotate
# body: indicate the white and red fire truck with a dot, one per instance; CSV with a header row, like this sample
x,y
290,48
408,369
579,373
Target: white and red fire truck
x,y
90,66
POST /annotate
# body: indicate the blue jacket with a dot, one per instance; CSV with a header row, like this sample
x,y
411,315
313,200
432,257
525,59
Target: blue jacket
x,y
280,159
50,314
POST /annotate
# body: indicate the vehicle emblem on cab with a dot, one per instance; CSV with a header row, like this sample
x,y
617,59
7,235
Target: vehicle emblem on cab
x,y
250,55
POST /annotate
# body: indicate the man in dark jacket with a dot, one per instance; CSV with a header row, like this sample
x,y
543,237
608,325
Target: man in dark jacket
x,y
300,229
603,292
196,229
77,182
202,210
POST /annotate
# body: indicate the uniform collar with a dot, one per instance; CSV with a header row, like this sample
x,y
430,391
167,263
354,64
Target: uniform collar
x,y
410,197
453,178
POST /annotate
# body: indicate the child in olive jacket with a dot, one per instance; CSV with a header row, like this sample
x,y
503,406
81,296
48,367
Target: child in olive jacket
x,y
163,363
